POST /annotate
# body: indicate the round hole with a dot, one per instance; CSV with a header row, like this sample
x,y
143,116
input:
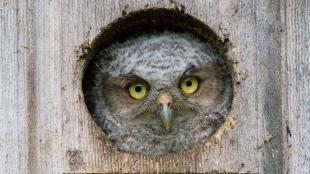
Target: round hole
x,y
158,46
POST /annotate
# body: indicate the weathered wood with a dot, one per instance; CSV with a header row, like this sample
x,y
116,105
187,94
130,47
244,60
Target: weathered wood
x,y
295,72
15,87
45,125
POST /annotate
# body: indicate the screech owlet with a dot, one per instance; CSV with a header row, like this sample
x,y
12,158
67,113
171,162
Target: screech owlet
x,y
159,92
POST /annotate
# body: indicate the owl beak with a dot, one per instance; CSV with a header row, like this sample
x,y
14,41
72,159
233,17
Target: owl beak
x,y
166,116
165,102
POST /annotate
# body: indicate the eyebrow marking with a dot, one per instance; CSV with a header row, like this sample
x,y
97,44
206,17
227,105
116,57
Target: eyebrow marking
x,y
192,69
130,75
124,80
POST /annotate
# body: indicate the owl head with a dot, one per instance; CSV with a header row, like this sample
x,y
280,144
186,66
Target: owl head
x,y
159,93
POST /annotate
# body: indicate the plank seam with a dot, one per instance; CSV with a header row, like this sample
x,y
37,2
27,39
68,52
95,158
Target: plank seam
x,y
31,90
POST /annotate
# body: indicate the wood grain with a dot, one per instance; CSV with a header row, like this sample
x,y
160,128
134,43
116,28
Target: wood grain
x,y
296,85
15,67
45,125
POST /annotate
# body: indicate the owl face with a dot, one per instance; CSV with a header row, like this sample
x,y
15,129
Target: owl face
x,y
160,92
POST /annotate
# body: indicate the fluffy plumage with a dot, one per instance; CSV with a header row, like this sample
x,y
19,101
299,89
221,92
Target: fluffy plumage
x,y
161,60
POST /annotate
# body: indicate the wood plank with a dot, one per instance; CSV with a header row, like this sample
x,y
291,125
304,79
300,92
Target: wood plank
x,y
48,88
268,86
14,87
296,85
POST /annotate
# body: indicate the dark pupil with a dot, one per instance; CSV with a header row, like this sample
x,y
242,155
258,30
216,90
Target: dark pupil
x,y
138,88
188,83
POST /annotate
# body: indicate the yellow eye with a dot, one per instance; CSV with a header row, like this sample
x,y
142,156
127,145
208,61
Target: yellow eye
x,y
137,90
189,85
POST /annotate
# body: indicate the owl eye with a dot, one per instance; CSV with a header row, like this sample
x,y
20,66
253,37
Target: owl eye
x,y
189,84
137,90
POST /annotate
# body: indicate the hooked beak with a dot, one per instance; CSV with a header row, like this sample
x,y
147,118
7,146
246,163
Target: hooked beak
x,y
165,113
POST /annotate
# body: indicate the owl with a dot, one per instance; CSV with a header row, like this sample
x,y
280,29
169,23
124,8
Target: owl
x,y
158,93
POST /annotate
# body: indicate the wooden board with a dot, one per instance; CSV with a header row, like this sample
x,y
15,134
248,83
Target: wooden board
x,y
45,125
